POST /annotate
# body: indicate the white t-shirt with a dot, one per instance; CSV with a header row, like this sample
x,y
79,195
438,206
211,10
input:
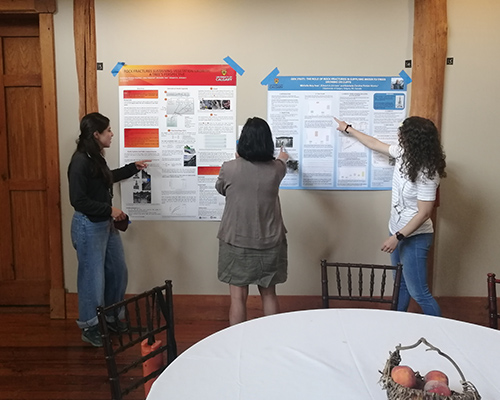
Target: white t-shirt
x,y
405,195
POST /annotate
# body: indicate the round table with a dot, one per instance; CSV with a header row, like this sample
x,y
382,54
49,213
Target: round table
x,y
327,354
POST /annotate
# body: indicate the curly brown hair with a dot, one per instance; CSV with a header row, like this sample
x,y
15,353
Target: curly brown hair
x,y
422,150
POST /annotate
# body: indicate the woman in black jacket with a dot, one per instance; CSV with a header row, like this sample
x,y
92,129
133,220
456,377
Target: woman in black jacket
x,y
102,272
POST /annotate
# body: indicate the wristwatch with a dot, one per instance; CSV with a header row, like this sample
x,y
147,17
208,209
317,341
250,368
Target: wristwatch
x,y
399,236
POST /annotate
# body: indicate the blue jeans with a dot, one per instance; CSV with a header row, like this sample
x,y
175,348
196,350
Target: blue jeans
x,y
412,253
102,272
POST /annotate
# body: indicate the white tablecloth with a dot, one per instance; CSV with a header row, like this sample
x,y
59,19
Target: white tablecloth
x,y
327,354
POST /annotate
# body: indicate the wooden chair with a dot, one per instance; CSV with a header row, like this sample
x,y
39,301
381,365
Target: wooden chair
x,y
146,320
362,282
492,300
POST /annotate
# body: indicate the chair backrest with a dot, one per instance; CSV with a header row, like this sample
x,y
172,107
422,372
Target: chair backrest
x,y
144,342
492,300
360,282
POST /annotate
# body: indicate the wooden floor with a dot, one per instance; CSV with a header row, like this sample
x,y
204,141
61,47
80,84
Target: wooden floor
x,y
44,359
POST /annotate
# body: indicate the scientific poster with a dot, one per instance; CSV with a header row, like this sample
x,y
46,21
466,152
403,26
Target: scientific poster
x,y
301,111
183,118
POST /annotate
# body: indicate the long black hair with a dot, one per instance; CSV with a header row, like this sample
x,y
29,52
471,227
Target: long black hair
x,y
256,141
422,150
87,143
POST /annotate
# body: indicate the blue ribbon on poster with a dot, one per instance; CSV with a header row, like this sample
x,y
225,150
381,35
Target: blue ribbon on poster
x,y
234,65
117,68
405,76
269,80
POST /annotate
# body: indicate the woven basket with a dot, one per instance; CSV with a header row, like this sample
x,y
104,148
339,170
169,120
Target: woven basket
x,y
395,391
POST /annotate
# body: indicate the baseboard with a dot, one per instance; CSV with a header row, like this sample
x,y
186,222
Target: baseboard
x,y
215,307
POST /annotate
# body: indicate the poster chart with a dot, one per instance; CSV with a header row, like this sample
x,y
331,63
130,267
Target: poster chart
x,y
183,118
301,111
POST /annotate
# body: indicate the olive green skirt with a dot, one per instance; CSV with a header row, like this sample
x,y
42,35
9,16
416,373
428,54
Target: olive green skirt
x,y
240,266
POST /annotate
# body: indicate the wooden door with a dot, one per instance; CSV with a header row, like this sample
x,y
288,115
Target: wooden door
x,y
30,219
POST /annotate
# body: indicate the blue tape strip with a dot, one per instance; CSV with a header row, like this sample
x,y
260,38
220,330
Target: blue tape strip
x,y
268,80
234,65
117,68
405,76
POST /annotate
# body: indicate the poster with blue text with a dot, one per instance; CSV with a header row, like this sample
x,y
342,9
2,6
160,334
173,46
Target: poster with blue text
x,y
301,111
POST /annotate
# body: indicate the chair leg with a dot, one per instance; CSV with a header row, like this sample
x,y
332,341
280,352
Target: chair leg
x,y
492,301
397,286
324,285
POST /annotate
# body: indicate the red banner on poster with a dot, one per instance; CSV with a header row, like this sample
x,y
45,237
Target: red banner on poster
x,y
189,75
141,137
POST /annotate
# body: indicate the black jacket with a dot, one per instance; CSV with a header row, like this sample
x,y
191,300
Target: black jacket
x,y
89,194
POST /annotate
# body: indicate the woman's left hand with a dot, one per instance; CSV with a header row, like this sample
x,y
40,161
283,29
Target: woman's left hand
x,y
390,244
142,164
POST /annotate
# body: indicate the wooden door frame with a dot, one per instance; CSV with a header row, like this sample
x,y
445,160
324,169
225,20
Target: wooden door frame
x,y
45,10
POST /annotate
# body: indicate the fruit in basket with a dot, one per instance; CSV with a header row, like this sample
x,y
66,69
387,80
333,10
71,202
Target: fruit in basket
x,y
438,387
436,375
404,375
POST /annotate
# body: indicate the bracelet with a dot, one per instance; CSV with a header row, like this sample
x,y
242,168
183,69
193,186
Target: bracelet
x,y
347,126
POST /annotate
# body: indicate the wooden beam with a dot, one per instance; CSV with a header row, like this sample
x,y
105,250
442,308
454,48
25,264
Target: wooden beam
x,y
28,6
430,35
430,44
86,55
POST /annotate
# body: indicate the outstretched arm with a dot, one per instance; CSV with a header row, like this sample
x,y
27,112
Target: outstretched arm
x,y
142,164
367,140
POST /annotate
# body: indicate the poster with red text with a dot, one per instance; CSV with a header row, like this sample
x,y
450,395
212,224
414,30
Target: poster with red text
x,y
183,119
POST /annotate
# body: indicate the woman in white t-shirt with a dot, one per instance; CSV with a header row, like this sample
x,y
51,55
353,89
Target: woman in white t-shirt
x,y
420,164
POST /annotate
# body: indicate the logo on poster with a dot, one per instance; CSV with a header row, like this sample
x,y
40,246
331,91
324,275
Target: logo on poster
x,y
224,78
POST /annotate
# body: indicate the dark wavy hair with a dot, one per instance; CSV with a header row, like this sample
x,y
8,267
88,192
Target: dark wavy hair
x,y
422,150
87,143
256,141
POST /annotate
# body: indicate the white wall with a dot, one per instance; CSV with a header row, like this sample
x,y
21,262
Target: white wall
x,y
469,222
316,37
